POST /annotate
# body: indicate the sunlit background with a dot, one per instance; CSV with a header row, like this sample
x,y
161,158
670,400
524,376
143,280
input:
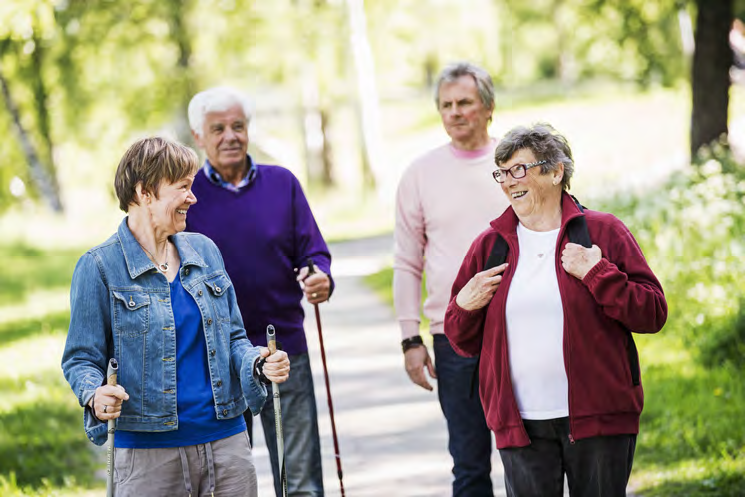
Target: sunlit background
x,y
343,97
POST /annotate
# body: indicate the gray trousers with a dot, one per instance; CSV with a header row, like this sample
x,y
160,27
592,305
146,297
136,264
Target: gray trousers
x,y
223,468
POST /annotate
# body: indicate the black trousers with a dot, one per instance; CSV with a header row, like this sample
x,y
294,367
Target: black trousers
x,y
594,467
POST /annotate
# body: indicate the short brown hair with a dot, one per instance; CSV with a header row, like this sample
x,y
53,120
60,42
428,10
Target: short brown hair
x,y
148,162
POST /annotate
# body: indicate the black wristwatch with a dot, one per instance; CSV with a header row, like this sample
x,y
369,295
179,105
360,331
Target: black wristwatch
x,y
410,343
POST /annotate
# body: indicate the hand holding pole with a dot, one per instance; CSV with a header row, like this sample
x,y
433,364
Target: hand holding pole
x,y
271,343
111,374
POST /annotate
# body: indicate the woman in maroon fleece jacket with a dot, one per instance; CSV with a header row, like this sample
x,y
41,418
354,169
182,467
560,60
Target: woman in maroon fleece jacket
x,y
559,372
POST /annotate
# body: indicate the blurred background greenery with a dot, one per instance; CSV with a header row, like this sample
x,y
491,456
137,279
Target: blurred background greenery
x,y
342,92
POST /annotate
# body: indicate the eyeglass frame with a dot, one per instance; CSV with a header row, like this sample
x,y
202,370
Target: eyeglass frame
x,y
524,167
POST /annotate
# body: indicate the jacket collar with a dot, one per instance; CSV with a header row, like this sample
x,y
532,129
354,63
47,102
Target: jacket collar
x,y
138,262
506,224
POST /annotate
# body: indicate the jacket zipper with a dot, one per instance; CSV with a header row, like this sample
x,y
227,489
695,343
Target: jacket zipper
x,y
505,351
567,341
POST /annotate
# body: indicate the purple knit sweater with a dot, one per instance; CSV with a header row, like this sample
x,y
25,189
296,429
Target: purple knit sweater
x,y
264,231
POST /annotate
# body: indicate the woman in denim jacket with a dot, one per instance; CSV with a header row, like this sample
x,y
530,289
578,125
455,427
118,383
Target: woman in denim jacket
x,y
161,303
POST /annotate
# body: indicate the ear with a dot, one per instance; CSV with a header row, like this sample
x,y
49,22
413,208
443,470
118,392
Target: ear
x,y
197,138
143,196
558,173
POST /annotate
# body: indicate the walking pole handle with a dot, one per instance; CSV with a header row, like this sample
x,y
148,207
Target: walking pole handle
x,y
111,374
271,339
271,343
311,266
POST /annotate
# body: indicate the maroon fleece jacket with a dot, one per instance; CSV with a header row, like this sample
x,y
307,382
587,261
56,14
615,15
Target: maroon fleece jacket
x,y
620,294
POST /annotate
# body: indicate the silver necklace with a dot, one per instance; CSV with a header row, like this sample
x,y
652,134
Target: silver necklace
x,y
163,268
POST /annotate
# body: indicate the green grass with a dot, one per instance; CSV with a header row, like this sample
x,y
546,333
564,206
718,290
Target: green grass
x,y
382,284
43,450
27,269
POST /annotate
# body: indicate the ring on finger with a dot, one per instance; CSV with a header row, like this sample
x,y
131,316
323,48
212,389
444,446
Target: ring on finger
x,y
314,294
104,408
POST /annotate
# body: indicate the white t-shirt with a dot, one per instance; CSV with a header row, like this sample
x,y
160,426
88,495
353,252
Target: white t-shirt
x,y
535,329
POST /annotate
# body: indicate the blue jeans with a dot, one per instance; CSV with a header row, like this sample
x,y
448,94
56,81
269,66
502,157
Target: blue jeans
x,y
300,430
469,437
595,466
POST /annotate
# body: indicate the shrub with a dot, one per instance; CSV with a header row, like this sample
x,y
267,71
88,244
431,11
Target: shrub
x,y
692,232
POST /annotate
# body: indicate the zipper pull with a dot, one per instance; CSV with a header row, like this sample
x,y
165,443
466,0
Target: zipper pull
x,y
571,439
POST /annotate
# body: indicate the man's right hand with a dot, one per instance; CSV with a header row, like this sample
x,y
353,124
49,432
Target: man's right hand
x,y
417,359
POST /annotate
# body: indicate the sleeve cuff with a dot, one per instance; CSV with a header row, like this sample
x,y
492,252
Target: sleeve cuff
x,y
594,271
409,328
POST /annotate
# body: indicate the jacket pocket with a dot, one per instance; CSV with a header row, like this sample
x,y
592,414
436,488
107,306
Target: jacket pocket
x,y
633,358
217,286
131,313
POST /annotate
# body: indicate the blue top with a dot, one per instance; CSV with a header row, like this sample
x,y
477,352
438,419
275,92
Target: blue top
x,y
120,307
264,231
197,423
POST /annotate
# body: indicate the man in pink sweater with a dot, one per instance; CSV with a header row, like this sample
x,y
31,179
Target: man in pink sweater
x,y
445,199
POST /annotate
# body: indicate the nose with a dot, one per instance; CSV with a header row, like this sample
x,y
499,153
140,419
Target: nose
x,y
191,199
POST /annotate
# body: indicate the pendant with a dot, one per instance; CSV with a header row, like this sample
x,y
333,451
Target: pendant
x,y
163,268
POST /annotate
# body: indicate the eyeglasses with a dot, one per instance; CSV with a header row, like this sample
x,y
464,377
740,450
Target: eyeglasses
x,y
517,171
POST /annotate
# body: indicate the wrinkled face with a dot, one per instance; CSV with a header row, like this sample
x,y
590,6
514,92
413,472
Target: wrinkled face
x,y
224,138
463,114
168,209
534,194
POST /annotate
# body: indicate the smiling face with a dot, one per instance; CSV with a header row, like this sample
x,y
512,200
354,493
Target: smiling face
x,y
535,198
464,116
168,209
224,139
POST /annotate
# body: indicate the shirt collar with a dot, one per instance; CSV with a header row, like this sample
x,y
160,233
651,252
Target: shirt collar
x,y
216,178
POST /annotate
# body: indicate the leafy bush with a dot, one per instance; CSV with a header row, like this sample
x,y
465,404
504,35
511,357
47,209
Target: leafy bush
x,y
692,231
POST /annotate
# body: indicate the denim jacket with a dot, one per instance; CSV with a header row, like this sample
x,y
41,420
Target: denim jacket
x,y
120,307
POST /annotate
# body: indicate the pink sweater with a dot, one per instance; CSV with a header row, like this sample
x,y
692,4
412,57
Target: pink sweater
x,y
444,200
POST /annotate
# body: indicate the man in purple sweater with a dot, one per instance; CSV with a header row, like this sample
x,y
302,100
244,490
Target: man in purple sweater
x,y
261,221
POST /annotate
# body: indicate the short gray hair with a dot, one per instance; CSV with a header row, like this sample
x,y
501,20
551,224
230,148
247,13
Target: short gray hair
x,y
546,144
483,80
217,99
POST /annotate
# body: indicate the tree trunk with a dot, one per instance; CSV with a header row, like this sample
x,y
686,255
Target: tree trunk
x,y
39,174
177,12
710,79
367,106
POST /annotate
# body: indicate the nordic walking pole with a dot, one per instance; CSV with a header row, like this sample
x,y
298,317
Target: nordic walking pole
x,y
311,270
271,343
110,380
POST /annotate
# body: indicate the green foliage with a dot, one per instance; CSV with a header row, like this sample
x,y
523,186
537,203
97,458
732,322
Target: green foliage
x,y
381,283
41,440
692,439
691,230
29,269
43,450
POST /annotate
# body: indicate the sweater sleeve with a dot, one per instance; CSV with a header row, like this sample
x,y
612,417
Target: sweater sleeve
x,y
623,284
465,329
309,242
408,256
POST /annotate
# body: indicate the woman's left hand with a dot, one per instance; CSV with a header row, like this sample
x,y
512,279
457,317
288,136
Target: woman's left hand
x,y
277,365
578,260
